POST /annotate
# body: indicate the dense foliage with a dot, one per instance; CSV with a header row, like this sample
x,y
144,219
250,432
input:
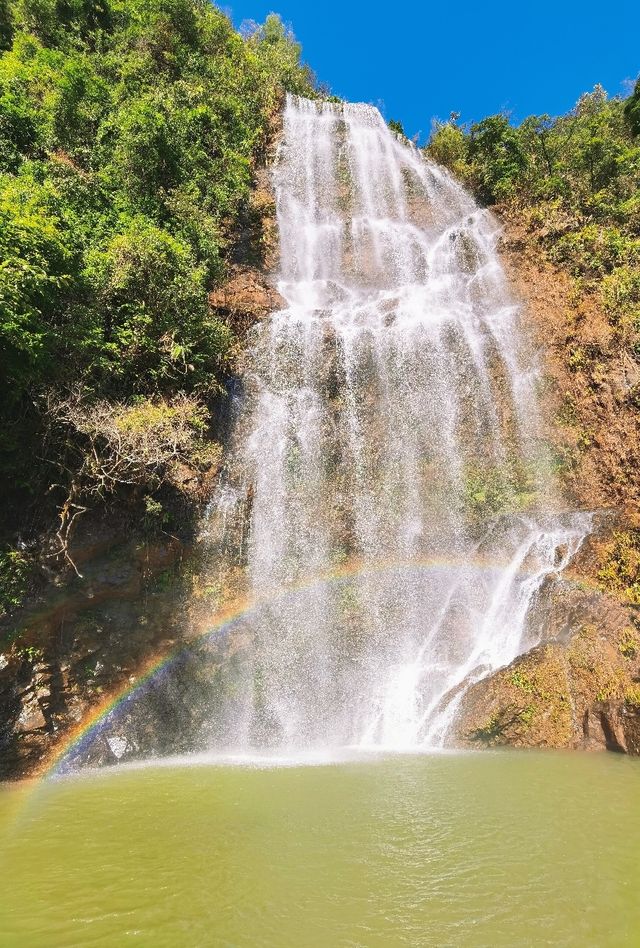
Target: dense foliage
x,y
575,180
129,134
632,110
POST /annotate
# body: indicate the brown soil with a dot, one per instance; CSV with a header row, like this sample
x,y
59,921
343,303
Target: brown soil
x,y
590,378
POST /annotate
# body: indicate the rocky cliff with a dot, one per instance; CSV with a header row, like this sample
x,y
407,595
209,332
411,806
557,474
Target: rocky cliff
x,y
130,587
79,638
581,687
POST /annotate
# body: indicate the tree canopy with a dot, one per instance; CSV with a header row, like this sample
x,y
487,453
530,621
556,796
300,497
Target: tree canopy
x,y
129,136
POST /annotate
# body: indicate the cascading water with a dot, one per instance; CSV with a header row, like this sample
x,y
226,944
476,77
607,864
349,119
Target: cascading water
x,y
388,493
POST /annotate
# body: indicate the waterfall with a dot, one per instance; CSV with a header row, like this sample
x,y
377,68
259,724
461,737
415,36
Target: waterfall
x,y
388,500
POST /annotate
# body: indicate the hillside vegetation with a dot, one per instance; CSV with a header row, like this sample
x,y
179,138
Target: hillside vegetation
x,y
130,131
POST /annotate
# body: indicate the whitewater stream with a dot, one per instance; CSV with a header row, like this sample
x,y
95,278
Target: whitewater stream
x,y
386,460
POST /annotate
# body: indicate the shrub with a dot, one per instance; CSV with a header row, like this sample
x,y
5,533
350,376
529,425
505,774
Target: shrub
x,y
620,571
491,491
155,327
632,110
112,447
16,568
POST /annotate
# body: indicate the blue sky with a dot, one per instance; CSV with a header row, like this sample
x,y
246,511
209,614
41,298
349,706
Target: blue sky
x,y
420,60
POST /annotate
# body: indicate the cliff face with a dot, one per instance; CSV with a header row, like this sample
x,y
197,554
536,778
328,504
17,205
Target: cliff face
x,y
81,638
581,687
130,589
577,690
591,380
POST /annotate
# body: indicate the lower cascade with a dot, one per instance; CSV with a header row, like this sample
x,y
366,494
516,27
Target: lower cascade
x,y
388,497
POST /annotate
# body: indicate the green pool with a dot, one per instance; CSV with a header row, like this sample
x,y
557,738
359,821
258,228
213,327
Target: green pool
x,y
488,849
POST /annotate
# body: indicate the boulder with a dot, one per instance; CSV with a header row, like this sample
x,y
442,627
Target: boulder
x,y
578,690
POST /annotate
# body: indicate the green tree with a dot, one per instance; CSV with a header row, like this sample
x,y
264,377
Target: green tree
x,y
6,27
496,149
632,110
155,331
449,147
396,127
35,264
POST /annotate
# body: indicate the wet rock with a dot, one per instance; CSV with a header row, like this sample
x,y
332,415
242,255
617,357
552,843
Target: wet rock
x,y
245,298
118,745
614,725
31,717
589,405
75,643
579,690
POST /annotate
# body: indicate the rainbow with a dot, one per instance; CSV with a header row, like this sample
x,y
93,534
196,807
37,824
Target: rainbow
x,y
80,736
221,624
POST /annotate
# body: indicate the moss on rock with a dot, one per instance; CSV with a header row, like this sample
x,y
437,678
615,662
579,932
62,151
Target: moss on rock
x,y
580,690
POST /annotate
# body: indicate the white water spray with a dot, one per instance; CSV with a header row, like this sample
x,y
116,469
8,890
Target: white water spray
x,y
389,416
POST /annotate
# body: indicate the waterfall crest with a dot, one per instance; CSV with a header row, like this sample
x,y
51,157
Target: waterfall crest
x,y
388,497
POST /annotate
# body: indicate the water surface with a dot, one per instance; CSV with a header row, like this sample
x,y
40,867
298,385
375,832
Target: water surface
x,y
497,849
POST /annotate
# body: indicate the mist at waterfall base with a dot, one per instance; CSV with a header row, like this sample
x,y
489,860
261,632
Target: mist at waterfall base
x,y
386,415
